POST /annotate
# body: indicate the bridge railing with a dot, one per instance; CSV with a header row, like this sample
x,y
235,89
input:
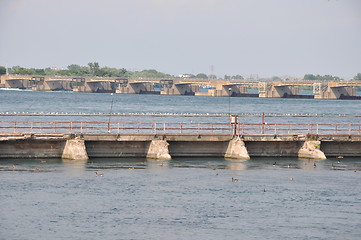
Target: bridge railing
x,y
140,128
288,129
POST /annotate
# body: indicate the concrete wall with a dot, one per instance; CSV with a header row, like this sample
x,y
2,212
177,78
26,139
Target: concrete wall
x,y
98,87
271,91
273,148
16,83
180,89
336,92
135,88
347,149
198,148
179,146
32,148
117,148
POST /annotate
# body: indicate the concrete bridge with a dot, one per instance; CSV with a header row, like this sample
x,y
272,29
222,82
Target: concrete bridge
x,y
163,141
177,86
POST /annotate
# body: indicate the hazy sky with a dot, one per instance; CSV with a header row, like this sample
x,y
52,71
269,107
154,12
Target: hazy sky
x,y
264,37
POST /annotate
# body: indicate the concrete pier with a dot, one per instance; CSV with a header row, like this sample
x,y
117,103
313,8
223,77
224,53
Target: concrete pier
x,y
334,90
180,89
135,88
146,146
276,90
237,150
311,150
158,150
75,150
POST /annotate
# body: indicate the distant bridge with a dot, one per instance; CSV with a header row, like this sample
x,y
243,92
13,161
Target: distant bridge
x,y
183,86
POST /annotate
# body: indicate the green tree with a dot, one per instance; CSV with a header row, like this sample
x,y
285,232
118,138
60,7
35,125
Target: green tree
x,y
151,73
320,77
357,77
49,71
276,78
237,77
2,70
38,71
94,68
74,67
309,77
22,71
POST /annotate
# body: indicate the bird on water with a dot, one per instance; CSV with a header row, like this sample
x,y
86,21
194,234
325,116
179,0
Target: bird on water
x,y
234,179
98,174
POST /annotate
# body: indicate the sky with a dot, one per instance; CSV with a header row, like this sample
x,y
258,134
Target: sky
x,y
264,37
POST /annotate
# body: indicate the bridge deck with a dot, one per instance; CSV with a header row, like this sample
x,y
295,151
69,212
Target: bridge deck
x,y
143,128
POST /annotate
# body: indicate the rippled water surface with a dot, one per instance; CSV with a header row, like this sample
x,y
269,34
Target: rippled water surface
x,y
183,198
69,102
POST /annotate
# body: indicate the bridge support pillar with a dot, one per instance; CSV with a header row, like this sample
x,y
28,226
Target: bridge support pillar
x,y
96,87
158,150
333,91
311,150
180,89
135,88
340,92
75,150
236,150
276,90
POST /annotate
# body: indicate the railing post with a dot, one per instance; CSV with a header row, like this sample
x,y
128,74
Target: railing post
x,y
14,126
317,128
275,129
71,127
163,128
118,128
180,126
349,129
263,123
31,127
81,127
336,129
54,127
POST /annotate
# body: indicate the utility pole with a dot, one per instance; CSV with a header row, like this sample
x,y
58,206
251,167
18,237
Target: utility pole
x,y
229,101
110,112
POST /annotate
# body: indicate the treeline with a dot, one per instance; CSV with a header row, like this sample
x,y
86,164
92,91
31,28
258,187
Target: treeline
x,y
93,69
328,77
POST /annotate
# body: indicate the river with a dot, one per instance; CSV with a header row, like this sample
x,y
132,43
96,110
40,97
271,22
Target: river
x,y
184,198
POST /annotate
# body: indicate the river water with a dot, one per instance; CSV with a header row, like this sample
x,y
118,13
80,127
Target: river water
x,y
184,198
